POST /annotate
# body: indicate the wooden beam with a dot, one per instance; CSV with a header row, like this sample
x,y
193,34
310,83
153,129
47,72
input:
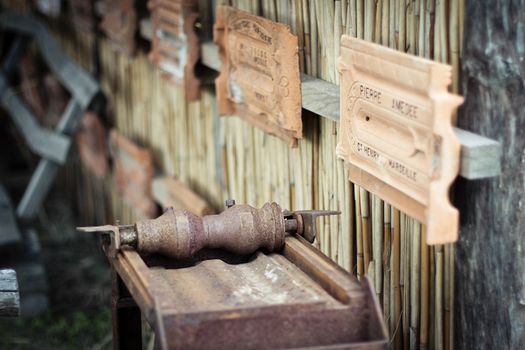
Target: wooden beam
x,y
480,156
9,297
490,254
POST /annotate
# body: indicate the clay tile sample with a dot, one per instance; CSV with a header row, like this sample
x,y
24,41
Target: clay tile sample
x,y
133,169
175,46
120,23
91,142
170,192
259,79
396,133
83,15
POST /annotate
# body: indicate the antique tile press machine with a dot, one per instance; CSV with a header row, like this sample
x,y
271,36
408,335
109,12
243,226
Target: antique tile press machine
x,y
246,278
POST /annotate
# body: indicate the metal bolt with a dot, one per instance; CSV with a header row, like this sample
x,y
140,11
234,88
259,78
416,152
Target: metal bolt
x,y
230,203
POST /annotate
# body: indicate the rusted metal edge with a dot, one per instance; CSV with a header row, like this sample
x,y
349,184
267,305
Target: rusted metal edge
x,y
480,156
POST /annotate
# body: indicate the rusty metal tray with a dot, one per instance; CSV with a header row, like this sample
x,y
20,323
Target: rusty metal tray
x,y
297,298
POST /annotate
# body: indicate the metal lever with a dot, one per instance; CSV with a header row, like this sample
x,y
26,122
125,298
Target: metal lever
x,y
303,222
113,236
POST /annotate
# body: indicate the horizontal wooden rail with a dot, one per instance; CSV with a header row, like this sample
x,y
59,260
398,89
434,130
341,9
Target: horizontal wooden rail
x,y
480,156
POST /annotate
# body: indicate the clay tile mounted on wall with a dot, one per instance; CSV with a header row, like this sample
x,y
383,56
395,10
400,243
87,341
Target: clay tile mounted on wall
x,y
133,169
175,48
91,142
396,132
119,24
259,79
83,15
170,192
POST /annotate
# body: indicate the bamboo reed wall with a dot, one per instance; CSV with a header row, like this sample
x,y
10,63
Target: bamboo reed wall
x,y
227,158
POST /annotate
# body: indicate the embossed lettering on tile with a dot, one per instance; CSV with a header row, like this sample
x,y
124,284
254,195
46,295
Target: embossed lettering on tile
x,y
259,78
396,133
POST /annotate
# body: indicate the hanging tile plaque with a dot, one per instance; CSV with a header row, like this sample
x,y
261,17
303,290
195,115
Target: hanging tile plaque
x,y
396,132
174,44
259,78
91,142
133,169
119,24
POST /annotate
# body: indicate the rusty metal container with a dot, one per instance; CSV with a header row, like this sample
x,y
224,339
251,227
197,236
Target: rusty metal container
x,y
297,298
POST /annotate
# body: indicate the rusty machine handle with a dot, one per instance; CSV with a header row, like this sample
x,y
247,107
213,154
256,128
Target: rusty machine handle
x,y
240,229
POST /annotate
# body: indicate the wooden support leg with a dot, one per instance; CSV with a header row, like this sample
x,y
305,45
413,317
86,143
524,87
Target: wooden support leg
x,y
127,327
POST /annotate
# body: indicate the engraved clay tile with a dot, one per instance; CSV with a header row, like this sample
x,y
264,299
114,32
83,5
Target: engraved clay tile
x,y
396,133
172,193
83,15
175,48
91,142
259,79
119,24
133,170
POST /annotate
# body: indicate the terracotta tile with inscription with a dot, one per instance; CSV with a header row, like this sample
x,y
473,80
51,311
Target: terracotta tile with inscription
x,y
83,15
170,192
396,132
174,44
119,24
133,168
259,79
91,142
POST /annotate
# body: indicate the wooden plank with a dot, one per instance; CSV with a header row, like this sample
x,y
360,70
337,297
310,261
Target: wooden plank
x,y
44,174
9,295
210,55
490,312
80,84
320,97
479,154
46,143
